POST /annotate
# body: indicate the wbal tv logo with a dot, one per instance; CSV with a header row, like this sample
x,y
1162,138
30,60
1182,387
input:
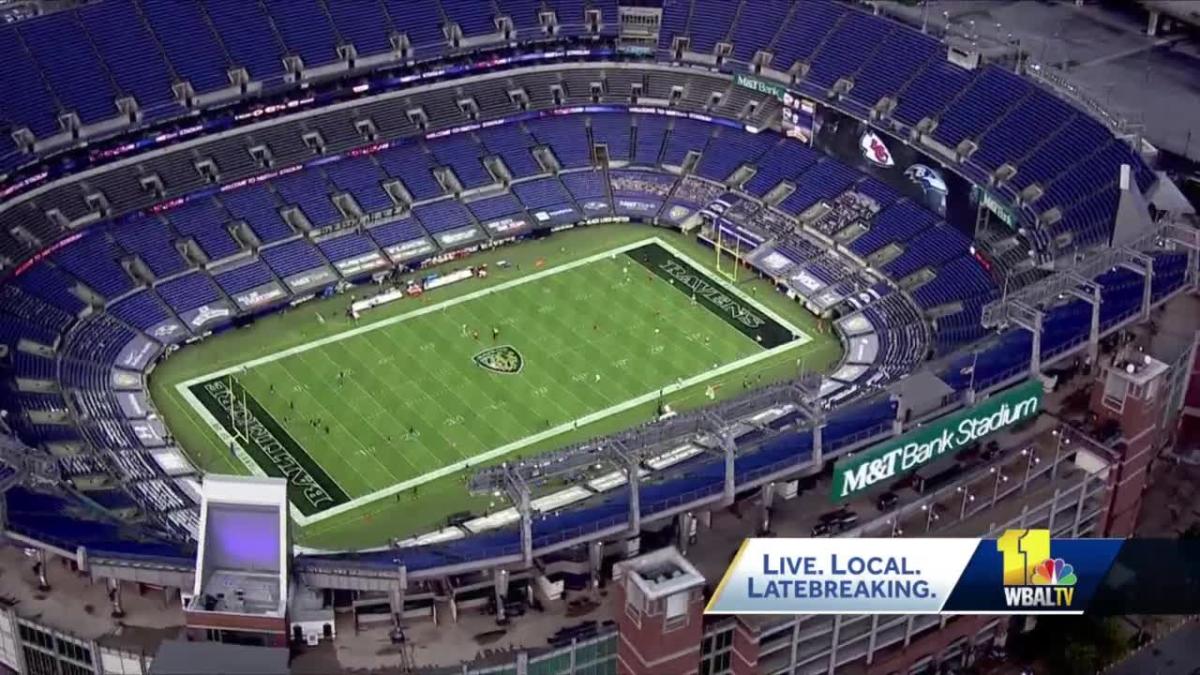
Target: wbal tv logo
x,y
1033,579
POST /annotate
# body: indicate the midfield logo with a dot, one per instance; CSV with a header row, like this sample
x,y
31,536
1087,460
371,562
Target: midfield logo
x,y
504,359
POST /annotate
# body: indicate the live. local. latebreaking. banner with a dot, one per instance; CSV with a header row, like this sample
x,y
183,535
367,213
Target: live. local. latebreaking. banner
x,y
1021,572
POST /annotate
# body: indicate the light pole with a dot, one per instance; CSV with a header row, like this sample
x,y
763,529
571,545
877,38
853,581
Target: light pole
x,y
1000,478
1031,460
967,498
931,516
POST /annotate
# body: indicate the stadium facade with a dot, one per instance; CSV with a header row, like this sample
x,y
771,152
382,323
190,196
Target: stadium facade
x,y
965,230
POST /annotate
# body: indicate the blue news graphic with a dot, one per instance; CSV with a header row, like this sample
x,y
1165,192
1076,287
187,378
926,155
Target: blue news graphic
x,y
1062,580
1021,572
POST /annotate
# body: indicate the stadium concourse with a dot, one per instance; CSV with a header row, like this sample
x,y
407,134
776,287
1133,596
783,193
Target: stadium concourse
x,y
509,297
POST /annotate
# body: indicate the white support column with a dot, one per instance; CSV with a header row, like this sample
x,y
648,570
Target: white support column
x,y
1094,331
1089,292
114,596
767,496
817,443
500,586
729,448
1083,490
871,639
396,596
898,421
1053,510
1152,24
635,500
40,569
1147,289
595,561
526,527
683,531
795,643
1030,318
833,650
1035,356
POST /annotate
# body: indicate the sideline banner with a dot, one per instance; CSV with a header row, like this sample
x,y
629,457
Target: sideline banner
x,y
1021,572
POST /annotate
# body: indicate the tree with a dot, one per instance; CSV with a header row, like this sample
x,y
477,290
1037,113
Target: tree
x,y
1074,645
1080,658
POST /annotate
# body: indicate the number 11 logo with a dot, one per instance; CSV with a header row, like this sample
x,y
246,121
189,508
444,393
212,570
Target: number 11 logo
x,y
1023,550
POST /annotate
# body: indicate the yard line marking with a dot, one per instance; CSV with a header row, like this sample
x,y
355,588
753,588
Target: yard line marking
x,y
428,309
374,458
801,338
336,421
513,446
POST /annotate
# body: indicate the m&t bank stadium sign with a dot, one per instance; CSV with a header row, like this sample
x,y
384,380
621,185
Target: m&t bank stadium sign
x,y
761,86
938,439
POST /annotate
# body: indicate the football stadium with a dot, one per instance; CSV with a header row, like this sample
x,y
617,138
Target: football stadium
x,y
476,336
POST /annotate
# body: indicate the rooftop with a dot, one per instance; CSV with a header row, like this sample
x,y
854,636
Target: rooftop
x,y
660,573
78,606
179,657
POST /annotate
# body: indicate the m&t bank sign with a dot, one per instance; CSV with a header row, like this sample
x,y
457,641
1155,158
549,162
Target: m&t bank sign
x,y
936,440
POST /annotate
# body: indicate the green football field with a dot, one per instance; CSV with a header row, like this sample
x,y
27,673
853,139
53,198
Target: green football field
x,y
376,424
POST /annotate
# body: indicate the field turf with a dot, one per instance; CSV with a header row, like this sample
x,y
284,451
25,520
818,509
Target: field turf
x,y
581,334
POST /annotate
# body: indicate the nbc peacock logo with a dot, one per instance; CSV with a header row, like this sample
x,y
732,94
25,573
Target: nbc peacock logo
x,y
1032,578
1054,572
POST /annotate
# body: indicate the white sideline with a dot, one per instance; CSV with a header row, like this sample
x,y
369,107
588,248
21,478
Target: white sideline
x,y
303,521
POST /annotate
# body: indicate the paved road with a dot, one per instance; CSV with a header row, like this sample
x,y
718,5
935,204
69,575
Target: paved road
x,y
1176,654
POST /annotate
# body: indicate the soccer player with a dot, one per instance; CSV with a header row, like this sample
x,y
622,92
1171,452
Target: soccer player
x,y
495,333
475,335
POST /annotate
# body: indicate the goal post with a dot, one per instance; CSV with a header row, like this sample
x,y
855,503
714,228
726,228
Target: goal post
x,y
720,247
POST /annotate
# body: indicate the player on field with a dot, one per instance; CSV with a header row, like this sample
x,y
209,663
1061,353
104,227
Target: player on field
x,y
495,333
